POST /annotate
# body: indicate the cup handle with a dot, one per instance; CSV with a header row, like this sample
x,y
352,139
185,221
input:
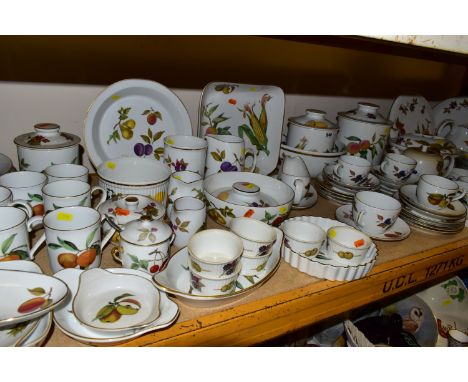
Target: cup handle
x,y
37,244
336,169
24,205
359,216
250,153
103,195
445,128
299,190
383,166
111,232
459,194
450,165
115,252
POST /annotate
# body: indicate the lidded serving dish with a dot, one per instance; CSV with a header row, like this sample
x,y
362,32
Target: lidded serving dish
x,y
364,132
46,146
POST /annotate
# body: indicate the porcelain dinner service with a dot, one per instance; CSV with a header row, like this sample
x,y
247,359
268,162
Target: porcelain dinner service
x,y
158,183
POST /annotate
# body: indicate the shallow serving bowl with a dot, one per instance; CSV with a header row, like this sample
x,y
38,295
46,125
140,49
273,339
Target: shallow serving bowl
x,y
28,295
314,161
133,175
221,211
113,302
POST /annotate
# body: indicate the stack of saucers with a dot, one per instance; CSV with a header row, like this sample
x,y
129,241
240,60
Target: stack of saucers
x,y
446,220
330,186
387,185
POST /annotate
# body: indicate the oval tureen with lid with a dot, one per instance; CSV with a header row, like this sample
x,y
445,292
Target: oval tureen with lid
x,y
46,146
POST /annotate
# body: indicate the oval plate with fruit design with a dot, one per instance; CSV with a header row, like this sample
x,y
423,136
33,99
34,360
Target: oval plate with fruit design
x,y
131,118
175,279
30,295
69,324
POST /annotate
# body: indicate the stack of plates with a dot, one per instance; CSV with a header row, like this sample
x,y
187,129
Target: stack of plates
x,y
329,186
387,186
447,220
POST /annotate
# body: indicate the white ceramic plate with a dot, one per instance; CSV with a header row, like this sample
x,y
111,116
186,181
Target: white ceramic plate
x,y
449,303
455,109
115,302
138,108
396,232
175,279
16,334
30,295
38,336
229,108
68,323
411,114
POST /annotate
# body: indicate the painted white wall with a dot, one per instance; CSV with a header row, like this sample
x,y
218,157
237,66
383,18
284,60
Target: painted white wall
x,y
22,105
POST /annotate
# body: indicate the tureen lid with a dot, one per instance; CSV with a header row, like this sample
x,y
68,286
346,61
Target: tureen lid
x,y
366,112
313,118
125,208
146,231
47,136
246,194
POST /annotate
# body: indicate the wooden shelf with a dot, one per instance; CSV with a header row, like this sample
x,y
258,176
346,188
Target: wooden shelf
x,y
292,300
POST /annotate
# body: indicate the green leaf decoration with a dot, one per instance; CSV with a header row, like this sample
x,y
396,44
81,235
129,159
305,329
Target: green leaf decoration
x,y
83,201
146,139
196,266
158,135
104,311
250,279
239,285
212,109
37,291
227,287
216,156
150,134
90,237
158,153
67,244
122,296
55,206
219,119
22,254
144,264
353,138
135,266
7,243
35,197
133,258
54,246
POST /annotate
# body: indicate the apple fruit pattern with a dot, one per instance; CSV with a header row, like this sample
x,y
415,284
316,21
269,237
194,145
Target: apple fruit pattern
x,y
41,301
72,256
120,306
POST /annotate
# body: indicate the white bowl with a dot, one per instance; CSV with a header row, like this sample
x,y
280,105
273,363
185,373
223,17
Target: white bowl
x,y
222,211
314,161
213,286
133,175
347,245
258,237
113,302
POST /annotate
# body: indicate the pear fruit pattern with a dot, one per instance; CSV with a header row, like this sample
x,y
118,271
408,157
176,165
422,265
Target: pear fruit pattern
x,y
120,306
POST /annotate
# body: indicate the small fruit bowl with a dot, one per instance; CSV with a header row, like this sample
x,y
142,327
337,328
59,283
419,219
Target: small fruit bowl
x,y
347,245
213,286
113,302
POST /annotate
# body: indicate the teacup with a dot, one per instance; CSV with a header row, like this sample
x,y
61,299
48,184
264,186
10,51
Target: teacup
x,y
374,212
457,338
352,169
26,185
68,193
257,237
303,237
209,285
6,199
437,192
185,152
294,165
347,245
67,171
187,218
397,167
14,234
73,237
300,185
184,183
214,253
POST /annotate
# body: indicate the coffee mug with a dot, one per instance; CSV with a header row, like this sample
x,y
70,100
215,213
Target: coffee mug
x,y
397,167
185,152
187,218
68,193
374,212
437,192
15,225
6,199
352,169
73,237
67,171
26,185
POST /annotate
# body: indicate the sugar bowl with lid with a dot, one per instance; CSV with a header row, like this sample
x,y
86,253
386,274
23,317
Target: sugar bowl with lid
x,y
46,146
143,244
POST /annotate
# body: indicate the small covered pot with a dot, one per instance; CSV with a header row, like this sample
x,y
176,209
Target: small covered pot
x,y
144,244
312,132
46,146
364,132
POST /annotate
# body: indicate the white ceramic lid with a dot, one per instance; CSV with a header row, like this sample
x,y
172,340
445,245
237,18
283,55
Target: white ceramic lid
x,y
366,112
146,231
247,194
313,118
126,208
47,136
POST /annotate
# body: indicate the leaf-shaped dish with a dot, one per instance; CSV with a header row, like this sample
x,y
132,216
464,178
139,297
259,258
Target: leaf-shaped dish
x,y
30,295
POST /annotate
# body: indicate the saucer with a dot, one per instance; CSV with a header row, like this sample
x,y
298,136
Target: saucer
x,y
308,201
408,193
369,183
399,230
69,324
175,279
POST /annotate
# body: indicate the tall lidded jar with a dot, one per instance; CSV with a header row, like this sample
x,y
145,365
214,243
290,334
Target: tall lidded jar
x,y
46,146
